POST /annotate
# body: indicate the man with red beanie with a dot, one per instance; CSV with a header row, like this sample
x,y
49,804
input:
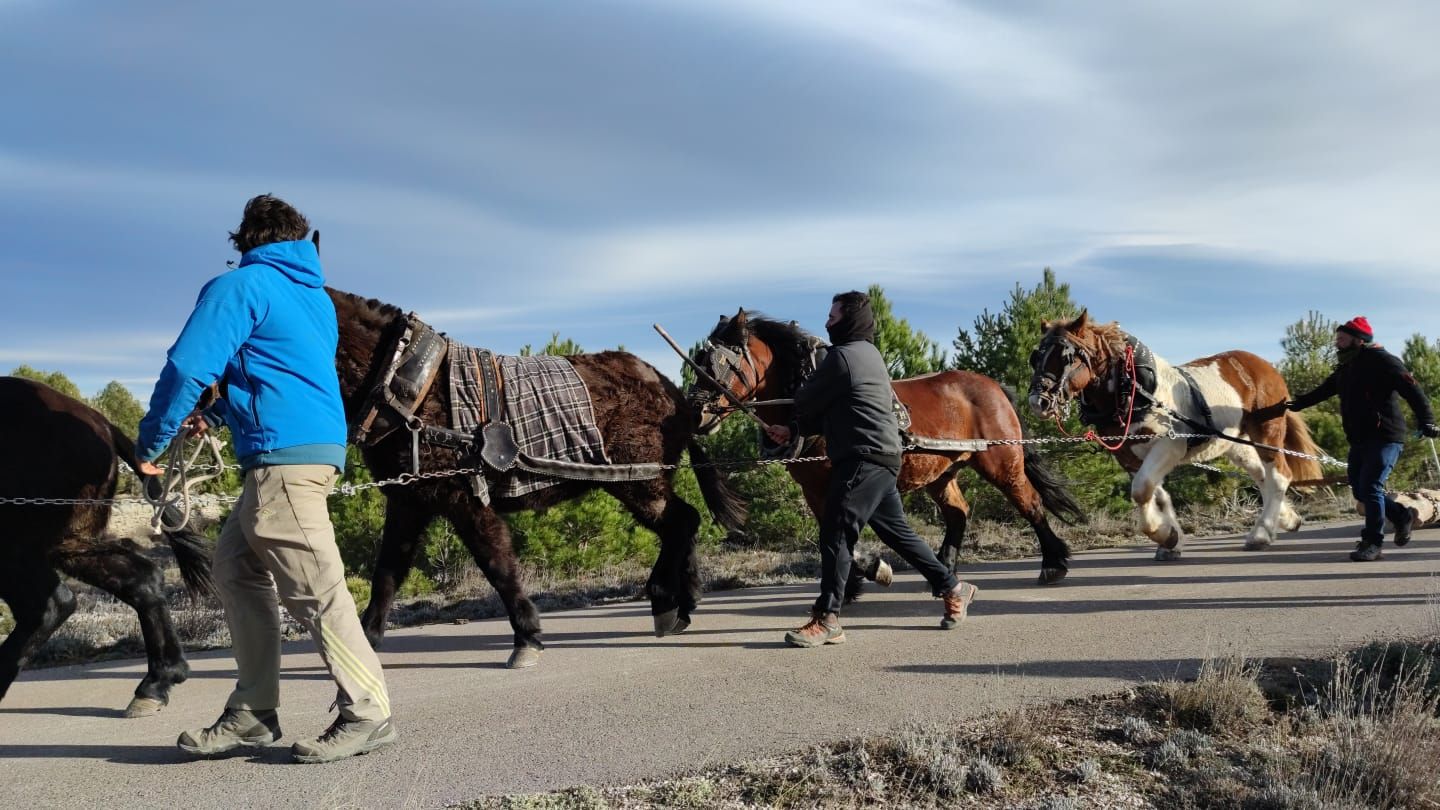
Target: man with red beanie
x,y
1368,380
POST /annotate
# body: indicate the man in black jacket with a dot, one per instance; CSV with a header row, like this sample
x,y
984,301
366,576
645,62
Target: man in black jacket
x,y
1368,379
848,400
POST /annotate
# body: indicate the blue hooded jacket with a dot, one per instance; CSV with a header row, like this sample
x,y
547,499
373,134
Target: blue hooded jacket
x,y
268,330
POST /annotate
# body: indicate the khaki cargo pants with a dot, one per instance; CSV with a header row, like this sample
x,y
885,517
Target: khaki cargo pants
x,y
279,539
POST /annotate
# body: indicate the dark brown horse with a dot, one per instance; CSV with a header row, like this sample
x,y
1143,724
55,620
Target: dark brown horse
x,y
760,359
642,418
56,447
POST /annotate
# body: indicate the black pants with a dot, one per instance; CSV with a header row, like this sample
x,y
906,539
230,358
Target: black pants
x,y
861,492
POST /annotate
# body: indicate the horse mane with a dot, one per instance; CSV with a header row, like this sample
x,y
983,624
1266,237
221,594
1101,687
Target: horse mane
x,y
372,312
1104,341
785,338
368,321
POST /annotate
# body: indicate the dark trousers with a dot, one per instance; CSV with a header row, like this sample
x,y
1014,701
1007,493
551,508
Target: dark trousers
x,y
1368,466
863,493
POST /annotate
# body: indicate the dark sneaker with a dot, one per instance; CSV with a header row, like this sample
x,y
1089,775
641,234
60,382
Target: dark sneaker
x,y
1366,552
821,629
1403,528
957,604
344,739
236,728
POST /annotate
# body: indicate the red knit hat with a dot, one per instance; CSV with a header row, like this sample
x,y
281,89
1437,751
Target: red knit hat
x,y
1358,327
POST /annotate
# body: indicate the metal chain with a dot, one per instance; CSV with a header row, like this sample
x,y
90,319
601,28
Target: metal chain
x,y
407,479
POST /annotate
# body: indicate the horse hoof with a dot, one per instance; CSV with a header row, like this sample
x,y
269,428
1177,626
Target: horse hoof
x,y
1052,576
883,574
143,707
1167,554
523,658
1256,544
665,623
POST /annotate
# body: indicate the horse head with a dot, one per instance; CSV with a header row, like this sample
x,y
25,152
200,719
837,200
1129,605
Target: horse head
x,y
728,357
1064,365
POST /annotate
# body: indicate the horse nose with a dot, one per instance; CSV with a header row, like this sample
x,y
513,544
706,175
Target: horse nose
x,y
1037,403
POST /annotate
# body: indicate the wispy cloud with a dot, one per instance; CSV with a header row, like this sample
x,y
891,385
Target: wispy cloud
x,y
510,170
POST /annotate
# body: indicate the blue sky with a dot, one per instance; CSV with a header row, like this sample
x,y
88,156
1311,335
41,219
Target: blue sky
x,y
1203,173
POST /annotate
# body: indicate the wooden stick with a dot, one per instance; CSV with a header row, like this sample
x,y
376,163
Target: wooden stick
x,y
705,375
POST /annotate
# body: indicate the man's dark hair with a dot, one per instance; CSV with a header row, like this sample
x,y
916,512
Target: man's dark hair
x,y
268,220
851,302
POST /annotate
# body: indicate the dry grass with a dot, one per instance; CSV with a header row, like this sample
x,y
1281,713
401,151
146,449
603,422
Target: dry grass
x,y
1224,699
1369,738
1373,741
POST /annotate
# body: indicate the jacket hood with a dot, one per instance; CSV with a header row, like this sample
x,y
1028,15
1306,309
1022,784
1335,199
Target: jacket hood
x,y
299,261
853,326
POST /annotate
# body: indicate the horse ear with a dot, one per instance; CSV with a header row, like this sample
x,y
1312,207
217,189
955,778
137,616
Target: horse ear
x,y
1081,322
315,237
740,319
1046,326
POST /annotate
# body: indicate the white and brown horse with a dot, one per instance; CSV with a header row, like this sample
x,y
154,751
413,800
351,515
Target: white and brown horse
x,y
1234,394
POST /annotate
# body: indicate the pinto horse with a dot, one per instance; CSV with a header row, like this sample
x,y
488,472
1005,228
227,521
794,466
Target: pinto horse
x,y
1235,396
642,418
758,359
56,447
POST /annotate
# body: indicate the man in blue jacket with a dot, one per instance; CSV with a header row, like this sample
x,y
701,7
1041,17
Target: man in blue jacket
x,y
848,399
1370,382
267,331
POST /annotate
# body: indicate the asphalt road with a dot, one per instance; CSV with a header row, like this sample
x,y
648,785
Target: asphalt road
x,y
611,703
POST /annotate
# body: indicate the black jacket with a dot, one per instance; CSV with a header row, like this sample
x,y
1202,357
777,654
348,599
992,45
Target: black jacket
x,y
1370,387
848,400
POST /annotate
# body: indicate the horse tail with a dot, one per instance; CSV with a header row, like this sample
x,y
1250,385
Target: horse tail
x,y
728,509
192,551
1298,439
1053,491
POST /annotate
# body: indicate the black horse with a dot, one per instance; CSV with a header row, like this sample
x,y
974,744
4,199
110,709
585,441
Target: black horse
x,y
56,447
642,418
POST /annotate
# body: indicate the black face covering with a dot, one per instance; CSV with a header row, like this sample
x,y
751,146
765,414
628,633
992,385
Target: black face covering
x,y
853,326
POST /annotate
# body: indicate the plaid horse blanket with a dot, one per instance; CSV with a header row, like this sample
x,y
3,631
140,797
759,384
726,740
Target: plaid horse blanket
x,y
546,404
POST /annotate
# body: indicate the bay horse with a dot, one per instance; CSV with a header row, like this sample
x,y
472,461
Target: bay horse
x,y
757,359
642,417
1232,394
57,447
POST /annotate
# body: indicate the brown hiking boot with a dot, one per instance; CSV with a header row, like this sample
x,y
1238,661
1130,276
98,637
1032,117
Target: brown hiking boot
x,y
957,604
236,728
344,739
823,628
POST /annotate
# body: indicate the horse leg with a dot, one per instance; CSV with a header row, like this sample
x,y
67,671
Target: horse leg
x,y
674,584
120,569
1274,508
405,521
955,512
1157,516
1004,467
487,536
40,603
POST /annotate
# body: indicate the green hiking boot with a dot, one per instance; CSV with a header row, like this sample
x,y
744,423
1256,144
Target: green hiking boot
x,y
823,628
345,738
236,728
